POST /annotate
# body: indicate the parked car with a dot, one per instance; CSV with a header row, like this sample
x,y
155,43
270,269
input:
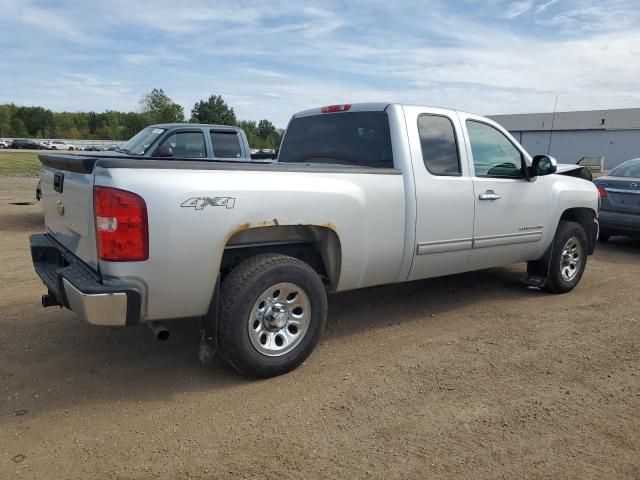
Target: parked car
x,y
620,200
361,195
26,144
59,145
93,148
264,154
4,143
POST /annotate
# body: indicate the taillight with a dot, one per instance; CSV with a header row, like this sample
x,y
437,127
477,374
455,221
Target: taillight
x,y
122,233
336,108
602,192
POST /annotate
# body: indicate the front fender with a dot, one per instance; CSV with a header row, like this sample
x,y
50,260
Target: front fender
x,y
569,195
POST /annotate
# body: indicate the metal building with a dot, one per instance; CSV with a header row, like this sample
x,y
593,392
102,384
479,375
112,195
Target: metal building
x,y
570,136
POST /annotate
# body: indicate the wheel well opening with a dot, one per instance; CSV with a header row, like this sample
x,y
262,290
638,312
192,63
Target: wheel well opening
x,y
317,246
583,216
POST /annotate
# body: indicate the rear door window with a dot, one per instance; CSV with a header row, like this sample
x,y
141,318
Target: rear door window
x,y
439,145
352,138
225,144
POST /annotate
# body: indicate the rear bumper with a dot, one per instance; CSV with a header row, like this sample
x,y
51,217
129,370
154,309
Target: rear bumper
x,y
74,285
617,222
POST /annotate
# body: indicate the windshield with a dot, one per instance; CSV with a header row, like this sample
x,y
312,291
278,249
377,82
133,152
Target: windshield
x,y
354,138
141,141
630,168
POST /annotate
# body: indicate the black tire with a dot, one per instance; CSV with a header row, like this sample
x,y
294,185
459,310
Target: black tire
x,y
556,282
603,237
240,292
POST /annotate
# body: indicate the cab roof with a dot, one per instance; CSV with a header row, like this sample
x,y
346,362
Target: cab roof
x,y
363,107
167,126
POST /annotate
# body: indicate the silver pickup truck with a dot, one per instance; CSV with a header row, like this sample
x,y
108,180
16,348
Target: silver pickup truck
x,y
360,195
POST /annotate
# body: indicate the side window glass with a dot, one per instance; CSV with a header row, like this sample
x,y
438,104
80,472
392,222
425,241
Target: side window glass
x,y
225,144
493,154
186,145
439,145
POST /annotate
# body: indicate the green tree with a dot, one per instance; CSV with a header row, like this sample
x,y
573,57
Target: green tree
x,y
18,128
93,123
251,131
113,124
21,121
5,121
159,108
213,110
34,119
64,123
133,122
266,129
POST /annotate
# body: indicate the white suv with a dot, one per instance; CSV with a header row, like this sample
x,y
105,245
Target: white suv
x,y
4,143
59,145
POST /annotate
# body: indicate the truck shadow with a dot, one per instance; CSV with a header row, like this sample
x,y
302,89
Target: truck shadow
x,y
79,364
379,307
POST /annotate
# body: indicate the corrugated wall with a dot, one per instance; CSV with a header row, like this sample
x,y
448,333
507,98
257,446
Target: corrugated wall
x,y
571,146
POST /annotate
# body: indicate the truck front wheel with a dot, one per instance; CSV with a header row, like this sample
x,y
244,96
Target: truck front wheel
x,y
568,258
273,309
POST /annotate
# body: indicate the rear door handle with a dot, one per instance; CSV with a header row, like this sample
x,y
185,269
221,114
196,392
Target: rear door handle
x,y
489,195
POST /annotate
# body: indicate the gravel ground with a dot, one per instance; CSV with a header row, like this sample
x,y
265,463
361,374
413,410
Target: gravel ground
x,y
471,376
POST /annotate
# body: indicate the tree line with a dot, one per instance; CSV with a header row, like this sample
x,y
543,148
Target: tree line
x,y
155,107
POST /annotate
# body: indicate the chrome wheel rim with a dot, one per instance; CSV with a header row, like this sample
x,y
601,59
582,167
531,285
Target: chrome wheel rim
x,y
279,319
571,259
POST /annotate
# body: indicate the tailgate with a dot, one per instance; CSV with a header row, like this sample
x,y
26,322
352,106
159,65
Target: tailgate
x,y
67,201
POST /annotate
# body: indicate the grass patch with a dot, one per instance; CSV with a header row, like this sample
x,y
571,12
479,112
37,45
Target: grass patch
x,y
19,164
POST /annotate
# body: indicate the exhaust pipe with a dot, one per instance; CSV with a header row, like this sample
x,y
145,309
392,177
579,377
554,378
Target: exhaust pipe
x,y
159,330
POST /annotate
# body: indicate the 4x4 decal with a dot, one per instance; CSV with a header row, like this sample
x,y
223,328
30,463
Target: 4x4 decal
x,y
198,203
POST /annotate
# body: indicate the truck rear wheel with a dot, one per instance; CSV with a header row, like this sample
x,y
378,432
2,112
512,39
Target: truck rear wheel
x,y
273,309
568,258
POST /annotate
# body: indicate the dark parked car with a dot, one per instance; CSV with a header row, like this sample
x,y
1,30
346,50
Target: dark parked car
x,y
27,145
93,148
620,197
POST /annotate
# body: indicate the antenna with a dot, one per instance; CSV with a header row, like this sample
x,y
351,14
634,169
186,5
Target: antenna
x,y
553,120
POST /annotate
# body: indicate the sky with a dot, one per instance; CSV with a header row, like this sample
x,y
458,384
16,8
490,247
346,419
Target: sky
x,y
270,59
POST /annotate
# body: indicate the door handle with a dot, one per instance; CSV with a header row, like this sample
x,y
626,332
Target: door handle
x,y
489,195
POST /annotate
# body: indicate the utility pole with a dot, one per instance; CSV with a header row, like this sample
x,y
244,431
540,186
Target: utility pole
x,y
553,121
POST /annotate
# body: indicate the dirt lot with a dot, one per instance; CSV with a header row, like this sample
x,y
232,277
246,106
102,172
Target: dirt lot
x,y
472,376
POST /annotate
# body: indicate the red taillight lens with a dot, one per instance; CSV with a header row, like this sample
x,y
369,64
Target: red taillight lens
x,y
336,108
121,225
602,192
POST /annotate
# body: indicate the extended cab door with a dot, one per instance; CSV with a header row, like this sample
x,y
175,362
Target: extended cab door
x,y
511,212
444,193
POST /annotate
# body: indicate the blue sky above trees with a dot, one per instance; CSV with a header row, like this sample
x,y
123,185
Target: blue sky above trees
x,y
270,59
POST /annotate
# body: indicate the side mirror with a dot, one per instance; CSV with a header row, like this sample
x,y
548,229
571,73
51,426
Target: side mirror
x,y
164,150
543,165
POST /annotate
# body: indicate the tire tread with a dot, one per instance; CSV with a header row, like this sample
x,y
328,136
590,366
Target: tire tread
x,y
554,283
231,294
